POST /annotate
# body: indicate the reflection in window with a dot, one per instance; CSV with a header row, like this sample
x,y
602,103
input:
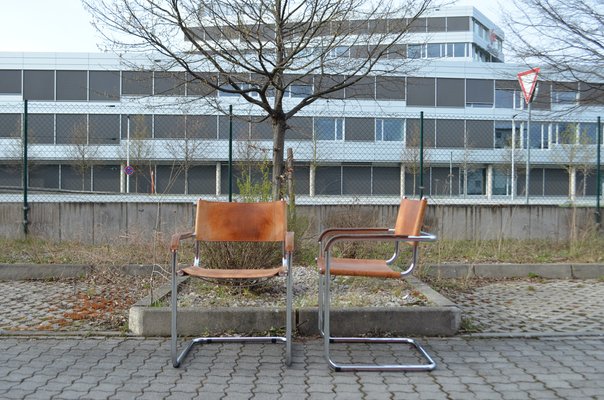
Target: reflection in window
x,y
506,98
329,128
298,90
588,133
389,130
564,97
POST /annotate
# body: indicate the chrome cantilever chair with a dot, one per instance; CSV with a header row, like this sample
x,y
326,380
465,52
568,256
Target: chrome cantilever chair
x,y
407,230
235,222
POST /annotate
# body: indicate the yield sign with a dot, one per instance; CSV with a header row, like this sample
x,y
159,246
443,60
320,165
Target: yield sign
x,y
528,81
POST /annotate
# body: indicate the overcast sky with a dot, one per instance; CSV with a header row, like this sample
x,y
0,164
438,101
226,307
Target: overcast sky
x,y
64,25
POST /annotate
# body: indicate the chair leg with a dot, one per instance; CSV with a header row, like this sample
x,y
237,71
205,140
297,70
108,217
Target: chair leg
x,y
178,358
324,328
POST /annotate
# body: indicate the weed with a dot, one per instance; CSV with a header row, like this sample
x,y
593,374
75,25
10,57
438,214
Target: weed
x,y
468,325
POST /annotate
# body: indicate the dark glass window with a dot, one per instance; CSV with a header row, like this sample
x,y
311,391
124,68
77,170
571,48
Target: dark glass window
x,y
261,129
328,181
449,133
360,129
141,126
329,128
72,85
390,88
75,178
137,83
421,92
72,129
412,136
41,128
450,92
356,180
479,93
10,81
301,179
202,126
325,82
200,87
104,128
10,125
386,181
170,179
363,89
106,178
44,176
300,128
458,24
202,179
437,24
479,134
169,126
38,85
389,129
104,85
169,83
241,128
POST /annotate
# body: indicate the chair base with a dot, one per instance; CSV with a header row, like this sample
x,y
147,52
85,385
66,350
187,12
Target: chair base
x,y
429,366
177,359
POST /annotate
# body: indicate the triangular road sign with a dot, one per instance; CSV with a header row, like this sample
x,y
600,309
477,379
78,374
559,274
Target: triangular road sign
x,y
528,82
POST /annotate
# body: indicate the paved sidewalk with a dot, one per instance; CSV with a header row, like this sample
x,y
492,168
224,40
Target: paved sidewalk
x,y
128,368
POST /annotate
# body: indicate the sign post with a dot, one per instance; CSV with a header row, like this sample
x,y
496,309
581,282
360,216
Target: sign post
x,y
528,84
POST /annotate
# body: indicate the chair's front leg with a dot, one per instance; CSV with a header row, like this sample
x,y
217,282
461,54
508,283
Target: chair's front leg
x,y
173,327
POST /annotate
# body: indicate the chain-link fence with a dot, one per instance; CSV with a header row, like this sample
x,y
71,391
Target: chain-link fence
x,y
106,152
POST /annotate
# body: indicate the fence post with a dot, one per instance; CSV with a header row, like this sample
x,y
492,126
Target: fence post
x,y
25,173
421,154
230,153
598,174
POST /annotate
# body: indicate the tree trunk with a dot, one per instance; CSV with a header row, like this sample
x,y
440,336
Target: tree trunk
x,y
279,127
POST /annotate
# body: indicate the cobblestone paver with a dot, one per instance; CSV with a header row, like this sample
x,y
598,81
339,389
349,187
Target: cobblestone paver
x,y
535,306
126,368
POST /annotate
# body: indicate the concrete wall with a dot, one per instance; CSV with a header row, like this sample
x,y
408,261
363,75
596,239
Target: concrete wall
x,y
110,222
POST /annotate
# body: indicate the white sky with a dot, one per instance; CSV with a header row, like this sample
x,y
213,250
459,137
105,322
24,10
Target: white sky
x,y
64,25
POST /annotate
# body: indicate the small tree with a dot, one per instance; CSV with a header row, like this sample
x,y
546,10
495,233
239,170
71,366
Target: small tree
x,y
278,56
139,147
81,153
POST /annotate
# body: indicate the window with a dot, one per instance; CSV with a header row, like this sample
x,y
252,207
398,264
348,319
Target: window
x,y
329,128
458,24
104,85
169,126
386,181
503,134
363,89
564,133
421,92
41,128
169,83
450,92
564,93
450,133
508,95
202,179
588,133
328,181
434,50
479,134
72,129
538,136
502,182
475,182
479,93
339,52
416,51
202,126
104,129
39,85
299,90
356,180
360,129
137,83
10,125
72,85
389,130
300,128
10,82
390,88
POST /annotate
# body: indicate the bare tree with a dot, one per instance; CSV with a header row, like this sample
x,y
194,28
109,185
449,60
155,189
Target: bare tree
x,y
564,35
137,147
575,154
268,52
81,153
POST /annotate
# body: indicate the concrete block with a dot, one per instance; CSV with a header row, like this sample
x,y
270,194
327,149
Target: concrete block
x,y
588,271
450,271
550,271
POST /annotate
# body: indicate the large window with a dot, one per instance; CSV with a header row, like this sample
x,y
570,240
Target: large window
x,y
329,128
104,85
360,129
421,92
389,129
479,134
10,82
169,83
390,88
508,95
72,85
479,93
10,125
39,85
450,92
449,133
137,83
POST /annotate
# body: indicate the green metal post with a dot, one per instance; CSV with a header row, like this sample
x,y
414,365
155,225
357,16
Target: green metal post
x,y
598,174
25,173
421,154
230,153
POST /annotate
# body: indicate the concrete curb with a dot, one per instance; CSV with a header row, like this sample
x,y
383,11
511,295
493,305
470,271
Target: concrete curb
x,y
16,272
442,319
549,271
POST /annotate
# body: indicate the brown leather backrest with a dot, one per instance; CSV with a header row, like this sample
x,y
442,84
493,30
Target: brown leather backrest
x,y
240,222
410,217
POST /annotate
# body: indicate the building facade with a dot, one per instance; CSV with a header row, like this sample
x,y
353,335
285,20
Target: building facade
x,y
89,116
